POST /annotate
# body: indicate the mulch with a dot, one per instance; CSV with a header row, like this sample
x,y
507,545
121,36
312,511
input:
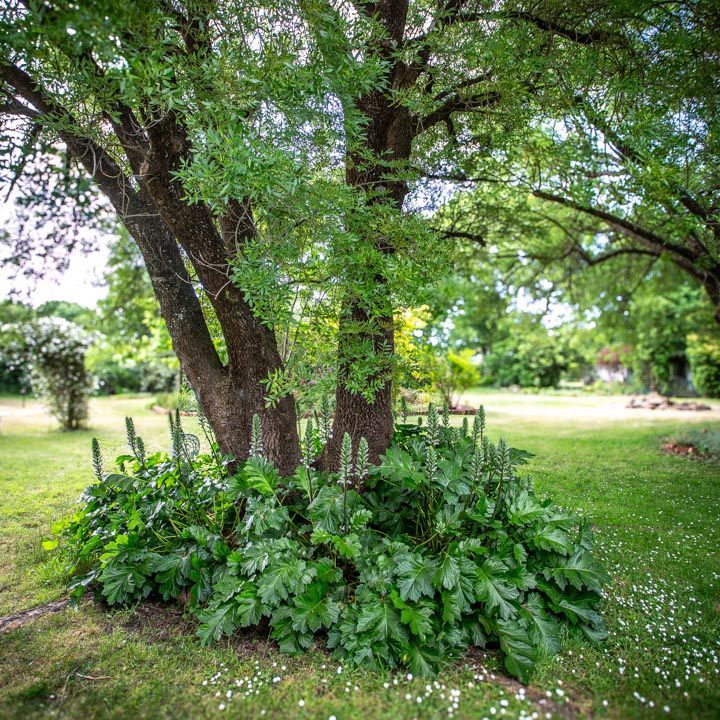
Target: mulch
x,y
664,403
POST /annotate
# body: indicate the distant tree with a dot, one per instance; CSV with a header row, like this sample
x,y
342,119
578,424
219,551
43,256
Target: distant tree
x,y
72,312
453,373
703,351
13,375
528,354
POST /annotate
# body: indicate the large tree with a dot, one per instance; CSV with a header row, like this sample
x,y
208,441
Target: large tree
x,y
102,79
246,146
415,82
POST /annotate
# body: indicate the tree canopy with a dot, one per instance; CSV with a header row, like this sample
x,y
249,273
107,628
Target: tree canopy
x,y
287,169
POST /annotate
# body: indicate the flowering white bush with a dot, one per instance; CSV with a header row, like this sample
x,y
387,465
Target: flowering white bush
x,y
55,352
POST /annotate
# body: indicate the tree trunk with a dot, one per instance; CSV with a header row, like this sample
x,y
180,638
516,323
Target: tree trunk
x,y
354,414
388,136
711,283
228,399
251,346
153,205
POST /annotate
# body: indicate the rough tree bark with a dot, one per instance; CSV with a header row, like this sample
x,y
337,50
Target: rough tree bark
x,y
387,138
162,223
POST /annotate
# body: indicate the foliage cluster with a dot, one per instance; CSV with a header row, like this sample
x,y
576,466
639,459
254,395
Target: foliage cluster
x,y
453,373
115,375
16,321
703,351
530,356
440,547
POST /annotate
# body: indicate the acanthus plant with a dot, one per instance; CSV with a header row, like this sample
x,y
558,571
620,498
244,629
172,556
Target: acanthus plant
x,y
406,564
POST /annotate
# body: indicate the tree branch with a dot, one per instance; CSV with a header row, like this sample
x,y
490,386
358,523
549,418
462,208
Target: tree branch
x,y
622,225
94,158
457,103
165,265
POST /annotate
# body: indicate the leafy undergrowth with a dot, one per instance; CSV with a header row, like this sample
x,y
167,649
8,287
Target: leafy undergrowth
x,y
446,548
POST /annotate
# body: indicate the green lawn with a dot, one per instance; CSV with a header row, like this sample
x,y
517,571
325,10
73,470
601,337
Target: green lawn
x,y
657,520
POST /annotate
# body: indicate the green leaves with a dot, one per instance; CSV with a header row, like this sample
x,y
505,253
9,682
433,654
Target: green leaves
x,y
279,581
519,650
581,570
398,466
244,610
494,591
314,609
417,617
381,621
326,510
448,573
415,577
543,628
259,474
421,566
524,510
547,537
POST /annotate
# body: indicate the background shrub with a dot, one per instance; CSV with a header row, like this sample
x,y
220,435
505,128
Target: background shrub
x,y
704,356
452,374
54,352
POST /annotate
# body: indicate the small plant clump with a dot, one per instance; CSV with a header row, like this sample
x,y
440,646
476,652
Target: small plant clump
x,y
441,547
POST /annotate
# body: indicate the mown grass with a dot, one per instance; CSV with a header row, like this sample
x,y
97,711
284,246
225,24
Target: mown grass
x,y
657,525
